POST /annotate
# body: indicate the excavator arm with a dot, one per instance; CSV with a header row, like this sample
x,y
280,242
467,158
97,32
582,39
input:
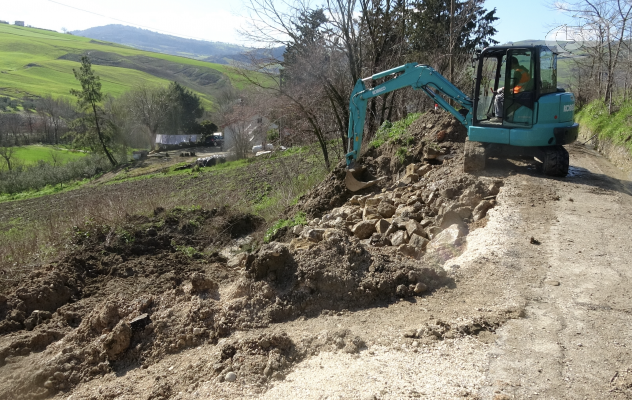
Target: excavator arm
x,y
412,75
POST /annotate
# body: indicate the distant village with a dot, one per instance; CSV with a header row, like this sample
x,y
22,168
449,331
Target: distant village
x,y
21,23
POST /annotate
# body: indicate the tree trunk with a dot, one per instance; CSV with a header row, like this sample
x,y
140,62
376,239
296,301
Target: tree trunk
x,y
105,148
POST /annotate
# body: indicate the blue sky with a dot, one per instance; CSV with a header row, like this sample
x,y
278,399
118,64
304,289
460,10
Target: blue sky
x,y
522,20
217,20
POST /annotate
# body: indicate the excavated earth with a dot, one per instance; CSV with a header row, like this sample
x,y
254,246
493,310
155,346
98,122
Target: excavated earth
x,y
423,286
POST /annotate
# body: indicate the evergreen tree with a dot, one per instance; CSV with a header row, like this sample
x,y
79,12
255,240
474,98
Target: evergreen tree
x,y
89,99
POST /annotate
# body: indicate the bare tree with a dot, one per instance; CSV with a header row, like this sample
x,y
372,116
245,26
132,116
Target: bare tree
x,y
604,25
149,105
7,149
13,125
56,112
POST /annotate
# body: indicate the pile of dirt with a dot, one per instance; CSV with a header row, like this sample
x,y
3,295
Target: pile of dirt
x,y
125,297
432,138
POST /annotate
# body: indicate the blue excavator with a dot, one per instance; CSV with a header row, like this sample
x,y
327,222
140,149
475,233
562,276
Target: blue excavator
x,y
517,108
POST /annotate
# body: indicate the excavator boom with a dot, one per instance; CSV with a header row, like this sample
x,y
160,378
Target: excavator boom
x,y
411,75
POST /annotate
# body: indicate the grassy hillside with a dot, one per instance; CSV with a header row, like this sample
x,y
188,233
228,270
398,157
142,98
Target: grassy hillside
x,y
616,127
32,154
37,62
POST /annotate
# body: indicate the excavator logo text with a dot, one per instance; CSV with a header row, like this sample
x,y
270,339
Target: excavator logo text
x,y
378,91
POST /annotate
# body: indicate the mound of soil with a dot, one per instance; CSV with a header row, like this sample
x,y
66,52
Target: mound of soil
x,y
438,133
125,297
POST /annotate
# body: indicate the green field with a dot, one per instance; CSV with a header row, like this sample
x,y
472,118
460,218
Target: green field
x,y
36,62
29,155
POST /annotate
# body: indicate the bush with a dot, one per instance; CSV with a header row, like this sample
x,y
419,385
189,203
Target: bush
x,y
616,127
392,132
43,174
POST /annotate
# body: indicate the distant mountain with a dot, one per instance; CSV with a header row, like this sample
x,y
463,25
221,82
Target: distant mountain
x,y
216,52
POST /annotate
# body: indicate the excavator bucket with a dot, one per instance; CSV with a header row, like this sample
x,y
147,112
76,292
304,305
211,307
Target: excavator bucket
x,y
353,184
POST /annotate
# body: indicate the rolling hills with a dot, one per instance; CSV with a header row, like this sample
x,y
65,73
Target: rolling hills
x,y
37,62
143,39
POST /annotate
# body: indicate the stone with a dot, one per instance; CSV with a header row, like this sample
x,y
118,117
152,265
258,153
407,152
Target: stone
x,y
433,231
139,323
230,377
237,261
418,242
414,227
117,341
430,153
398,238
315,222
373,201
494,188
448,240
411,169
401,291
481,209
464,212
420,288
386,210
315,235
382,226
377,240
410,179
370,213
200,282
409,251
333,234
448,193
362,200
451,218
354,200
297,230
470,198
424,170
364,229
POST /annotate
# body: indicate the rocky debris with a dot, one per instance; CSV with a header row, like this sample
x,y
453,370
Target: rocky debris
x,y
441,330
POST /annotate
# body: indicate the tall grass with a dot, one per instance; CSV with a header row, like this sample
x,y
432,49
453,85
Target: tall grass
x,y
616,127
38,230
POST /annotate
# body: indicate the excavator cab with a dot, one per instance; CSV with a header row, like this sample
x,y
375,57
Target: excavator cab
x,y
518,108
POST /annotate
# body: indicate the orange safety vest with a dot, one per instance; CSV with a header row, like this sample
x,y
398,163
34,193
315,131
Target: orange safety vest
x,y
522,83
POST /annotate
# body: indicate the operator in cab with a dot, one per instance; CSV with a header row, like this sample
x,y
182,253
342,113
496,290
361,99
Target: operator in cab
x,y
521,83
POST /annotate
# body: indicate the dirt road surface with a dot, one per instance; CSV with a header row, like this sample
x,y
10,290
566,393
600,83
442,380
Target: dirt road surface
x,y
539,308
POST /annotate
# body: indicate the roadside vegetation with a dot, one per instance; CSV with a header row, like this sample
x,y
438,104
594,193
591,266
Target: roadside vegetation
x,y
615,126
